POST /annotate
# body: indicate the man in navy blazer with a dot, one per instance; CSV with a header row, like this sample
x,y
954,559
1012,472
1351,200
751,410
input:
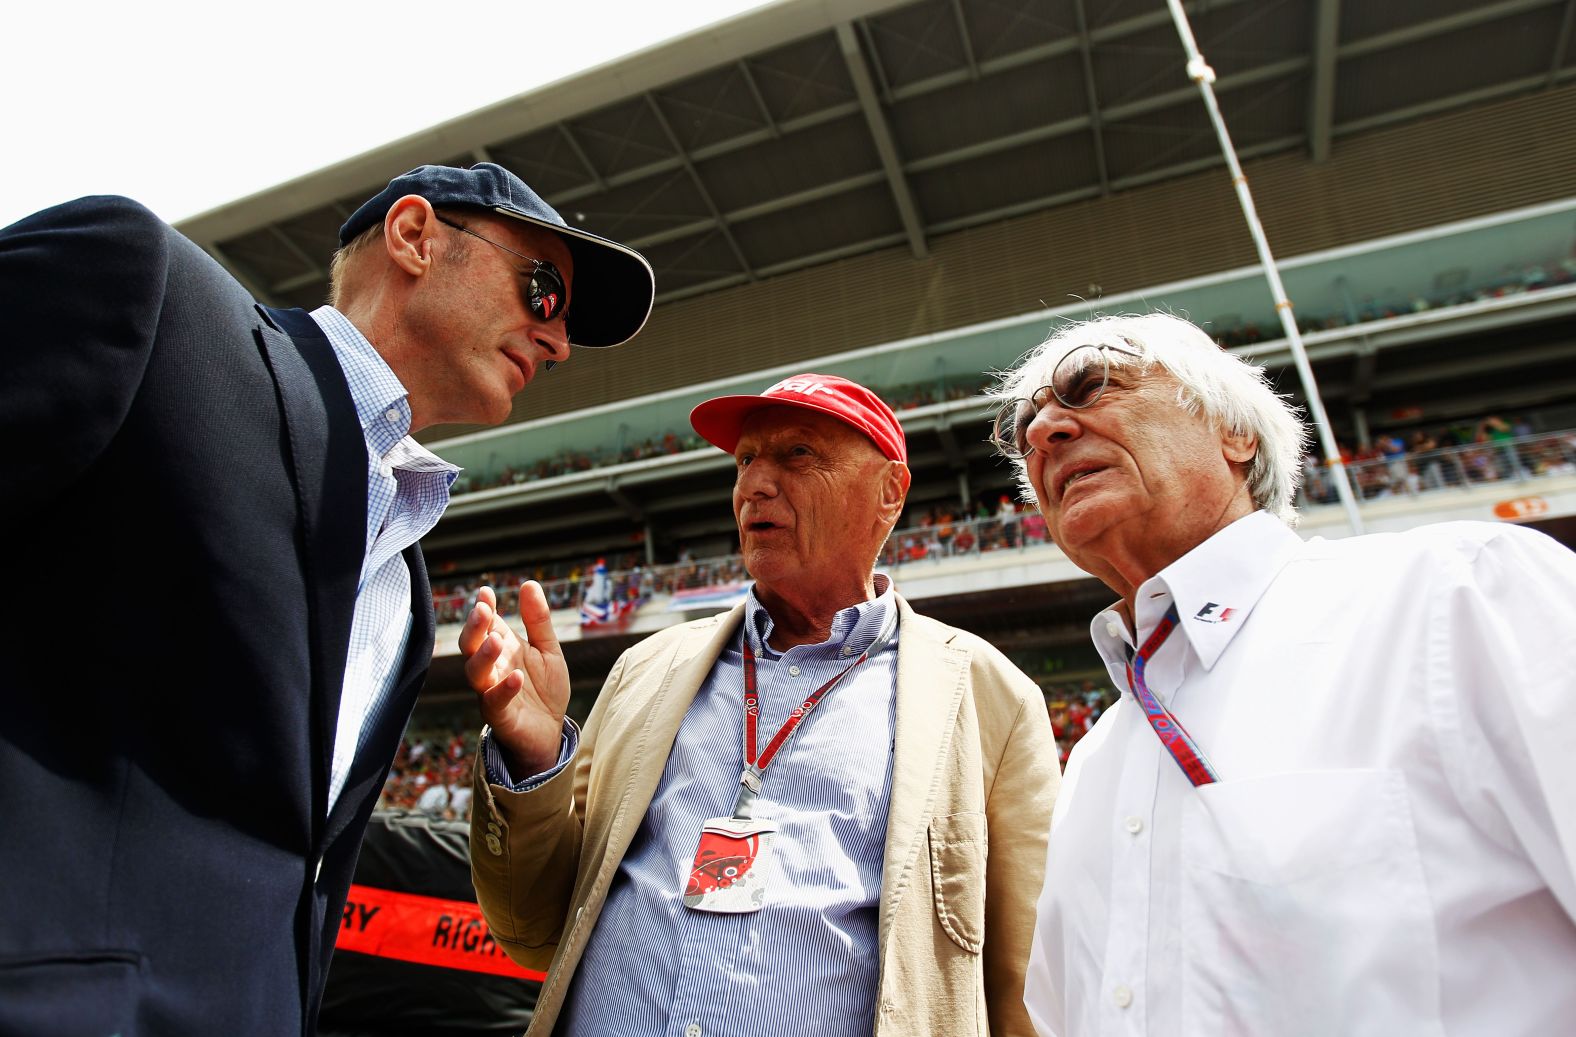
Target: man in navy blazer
x,y
218,617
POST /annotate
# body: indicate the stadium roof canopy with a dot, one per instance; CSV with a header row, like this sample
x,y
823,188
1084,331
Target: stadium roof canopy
x,y
813,130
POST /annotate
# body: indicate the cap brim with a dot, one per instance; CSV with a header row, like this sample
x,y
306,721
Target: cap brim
x,y
613,288
720,421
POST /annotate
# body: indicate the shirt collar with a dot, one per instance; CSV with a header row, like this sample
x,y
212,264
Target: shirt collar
x,y
854,628
1215,587
382,404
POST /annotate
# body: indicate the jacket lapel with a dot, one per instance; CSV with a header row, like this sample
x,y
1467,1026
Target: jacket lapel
x,y
692,661
379,744
329,456
930,681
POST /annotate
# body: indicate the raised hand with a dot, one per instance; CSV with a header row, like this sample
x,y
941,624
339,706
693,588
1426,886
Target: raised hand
x,y
521,685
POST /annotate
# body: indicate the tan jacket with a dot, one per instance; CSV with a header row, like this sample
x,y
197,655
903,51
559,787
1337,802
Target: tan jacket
x,y
974,775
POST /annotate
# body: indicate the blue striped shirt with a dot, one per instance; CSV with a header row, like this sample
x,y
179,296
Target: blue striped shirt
x,y
806,962
407,490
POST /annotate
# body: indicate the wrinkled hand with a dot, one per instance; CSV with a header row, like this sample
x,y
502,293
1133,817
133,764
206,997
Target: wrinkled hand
x,y
521,685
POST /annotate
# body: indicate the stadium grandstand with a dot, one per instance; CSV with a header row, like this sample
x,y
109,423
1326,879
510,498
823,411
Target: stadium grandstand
x,y
912,194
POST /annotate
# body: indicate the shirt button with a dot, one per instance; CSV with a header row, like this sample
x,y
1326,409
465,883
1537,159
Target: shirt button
x,y
793,671
692,1030
1134,825
391,414
1122,996
1113,627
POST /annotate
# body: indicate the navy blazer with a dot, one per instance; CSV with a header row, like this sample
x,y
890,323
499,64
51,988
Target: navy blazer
x,y
184,515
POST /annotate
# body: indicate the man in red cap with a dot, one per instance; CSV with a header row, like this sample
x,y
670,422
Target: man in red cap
x,y
825,873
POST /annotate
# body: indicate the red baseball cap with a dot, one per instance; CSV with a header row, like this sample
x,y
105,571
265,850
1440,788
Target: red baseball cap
x,y
719,421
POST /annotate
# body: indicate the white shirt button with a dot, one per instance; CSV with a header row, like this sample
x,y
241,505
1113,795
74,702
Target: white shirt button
x,y
1122,996
793,671
391,414
692,1030
1113,627
1134,825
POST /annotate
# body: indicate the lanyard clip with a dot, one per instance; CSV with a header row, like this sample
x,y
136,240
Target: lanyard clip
x,y
749,788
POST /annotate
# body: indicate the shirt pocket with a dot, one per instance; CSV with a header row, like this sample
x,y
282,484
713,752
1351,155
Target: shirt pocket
x,y
1304,909
958,848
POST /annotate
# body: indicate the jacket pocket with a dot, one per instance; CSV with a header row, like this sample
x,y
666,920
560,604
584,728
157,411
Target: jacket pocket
x,y
958,848
70,993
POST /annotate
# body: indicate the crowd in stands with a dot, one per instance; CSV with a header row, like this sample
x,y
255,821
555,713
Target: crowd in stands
x,y
1073,709
432,771
942,531
1484,450
1488,450
565,583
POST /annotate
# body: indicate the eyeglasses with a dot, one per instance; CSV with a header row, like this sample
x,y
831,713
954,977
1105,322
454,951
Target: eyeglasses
x,y
1077,381
544,293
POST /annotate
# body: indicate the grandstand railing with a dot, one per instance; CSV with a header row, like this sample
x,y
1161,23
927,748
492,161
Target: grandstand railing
x,y
1510,460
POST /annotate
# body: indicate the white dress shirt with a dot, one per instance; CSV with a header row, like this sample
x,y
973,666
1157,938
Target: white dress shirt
x,y
1391,847
407,490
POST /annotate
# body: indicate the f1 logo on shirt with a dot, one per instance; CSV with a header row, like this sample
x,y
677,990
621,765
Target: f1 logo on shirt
x,y
1213,613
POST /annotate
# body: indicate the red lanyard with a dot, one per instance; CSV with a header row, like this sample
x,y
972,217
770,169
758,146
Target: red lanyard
x,y
750,780
1172,734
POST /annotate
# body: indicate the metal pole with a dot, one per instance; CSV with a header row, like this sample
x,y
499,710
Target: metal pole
x,y
1204,76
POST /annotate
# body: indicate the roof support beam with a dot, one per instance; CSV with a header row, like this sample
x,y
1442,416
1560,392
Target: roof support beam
x,y
1086,52
722,147
1321,115
240,274
700,185
597,183
278,234
750,212
1444,104
1055,48
1362,386
907,211
297,281
875,60
1562,41
1450,23
787,266
616,494
963,36
949,445
760,98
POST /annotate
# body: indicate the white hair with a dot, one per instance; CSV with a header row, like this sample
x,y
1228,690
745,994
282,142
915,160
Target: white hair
x,y
1231,394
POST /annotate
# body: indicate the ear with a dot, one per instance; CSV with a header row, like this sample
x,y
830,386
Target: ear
x,y
1239,447
408,230
895,480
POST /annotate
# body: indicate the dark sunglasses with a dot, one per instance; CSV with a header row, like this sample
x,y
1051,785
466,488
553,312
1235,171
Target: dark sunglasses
x,y
545,294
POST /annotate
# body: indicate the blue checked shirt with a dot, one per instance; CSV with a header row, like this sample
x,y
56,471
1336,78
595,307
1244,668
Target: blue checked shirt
x,y
407,490
806,962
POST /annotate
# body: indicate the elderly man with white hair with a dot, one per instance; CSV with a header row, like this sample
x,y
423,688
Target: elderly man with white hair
x,y
1338,795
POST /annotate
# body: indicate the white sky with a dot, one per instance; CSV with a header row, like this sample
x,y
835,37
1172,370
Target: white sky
x,y
187,105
